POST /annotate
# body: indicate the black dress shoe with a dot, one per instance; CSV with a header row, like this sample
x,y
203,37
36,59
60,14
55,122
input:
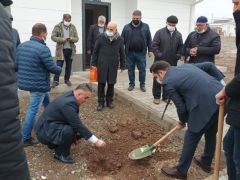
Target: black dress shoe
x,y
30,142
64,159
68,83
100,107
143,89
203,166
55,84
110,105
130,88
173,173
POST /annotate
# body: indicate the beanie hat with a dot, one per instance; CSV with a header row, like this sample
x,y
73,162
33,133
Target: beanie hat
x,y
202,19
172,19
6,2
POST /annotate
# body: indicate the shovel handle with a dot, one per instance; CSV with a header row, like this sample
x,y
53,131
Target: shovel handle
x,y
165,137
219,142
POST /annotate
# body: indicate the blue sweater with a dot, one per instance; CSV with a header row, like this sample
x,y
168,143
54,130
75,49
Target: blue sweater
x,y
34,65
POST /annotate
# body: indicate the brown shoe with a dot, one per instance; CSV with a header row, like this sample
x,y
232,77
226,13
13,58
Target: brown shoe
x,y
156,101
204,167
173,173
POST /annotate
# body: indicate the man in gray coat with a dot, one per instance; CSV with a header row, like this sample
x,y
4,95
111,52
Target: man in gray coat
x,y
107,54
195,106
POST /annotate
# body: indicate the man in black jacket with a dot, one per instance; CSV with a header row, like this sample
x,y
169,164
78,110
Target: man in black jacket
x,y
94,32
13,163
59,125
203,44
231,143
137,41
167,46
107,55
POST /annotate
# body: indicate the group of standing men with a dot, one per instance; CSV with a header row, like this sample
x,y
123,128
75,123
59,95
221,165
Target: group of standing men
x,y
167,45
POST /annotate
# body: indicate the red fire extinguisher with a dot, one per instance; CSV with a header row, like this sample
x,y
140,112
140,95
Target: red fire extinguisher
x,y
93,74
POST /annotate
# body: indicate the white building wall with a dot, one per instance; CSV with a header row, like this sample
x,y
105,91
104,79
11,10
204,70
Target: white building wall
x,y
76,12
155,13
28,12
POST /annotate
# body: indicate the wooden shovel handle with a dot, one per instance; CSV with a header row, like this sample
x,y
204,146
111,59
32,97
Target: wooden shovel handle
x,y
165,137
219,142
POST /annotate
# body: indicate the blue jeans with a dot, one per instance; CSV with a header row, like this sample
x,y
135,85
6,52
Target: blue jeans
x,y
231,147
139,59
36,100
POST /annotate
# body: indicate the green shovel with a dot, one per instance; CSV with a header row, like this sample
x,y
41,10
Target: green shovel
x,y
148,150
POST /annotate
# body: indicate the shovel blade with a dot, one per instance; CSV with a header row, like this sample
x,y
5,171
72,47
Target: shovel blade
x,y
142,152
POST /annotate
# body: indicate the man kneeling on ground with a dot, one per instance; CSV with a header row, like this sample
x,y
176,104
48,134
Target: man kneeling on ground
x,y
59,125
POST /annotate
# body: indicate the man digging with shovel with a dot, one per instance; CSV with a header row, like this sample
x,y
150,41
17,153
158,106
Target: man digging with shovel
x,y
196,106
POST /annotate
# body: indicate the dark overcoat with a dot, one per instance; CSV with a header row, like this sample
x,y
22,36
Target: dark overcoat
x,y
92,36
167,46
59,113
106,56
193,92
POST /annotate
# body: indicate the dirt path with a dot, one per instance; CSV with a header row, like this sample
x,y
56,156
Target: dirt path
x,y
123,130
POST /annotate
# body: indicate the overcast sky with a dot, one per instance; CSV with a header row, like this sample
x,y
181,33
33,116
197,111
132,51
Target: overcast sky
x,y
215,8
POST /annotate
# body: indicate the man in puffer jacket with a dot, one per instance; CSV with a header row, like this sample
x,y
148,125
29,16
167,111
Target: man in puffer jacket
x,y
13,164
34,65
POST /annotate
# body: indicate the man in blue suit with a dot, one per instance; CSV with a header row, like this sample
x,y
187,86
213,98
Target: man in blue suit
x,y
196,106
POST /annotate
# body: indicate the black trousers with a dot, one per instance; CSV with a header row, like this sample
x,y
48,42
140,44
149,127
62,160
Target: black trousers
x,y
101,92
157,90
68,59
62,148
191,141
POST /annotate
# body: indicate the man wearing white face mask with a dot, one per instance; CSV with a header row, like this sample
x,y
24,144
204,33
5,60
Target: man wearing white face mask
x,y
167,46
108,53
65,35
94,32
203,44
195,106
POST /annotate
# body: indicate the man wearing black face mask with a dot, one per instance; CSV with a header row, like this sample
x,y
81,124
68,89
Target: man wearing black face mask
x,y
137,40
167,46
13,163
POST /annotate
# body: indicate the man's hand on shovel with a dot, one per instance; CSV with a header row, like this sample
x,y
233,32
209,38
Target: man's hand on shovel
x,y
179,126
